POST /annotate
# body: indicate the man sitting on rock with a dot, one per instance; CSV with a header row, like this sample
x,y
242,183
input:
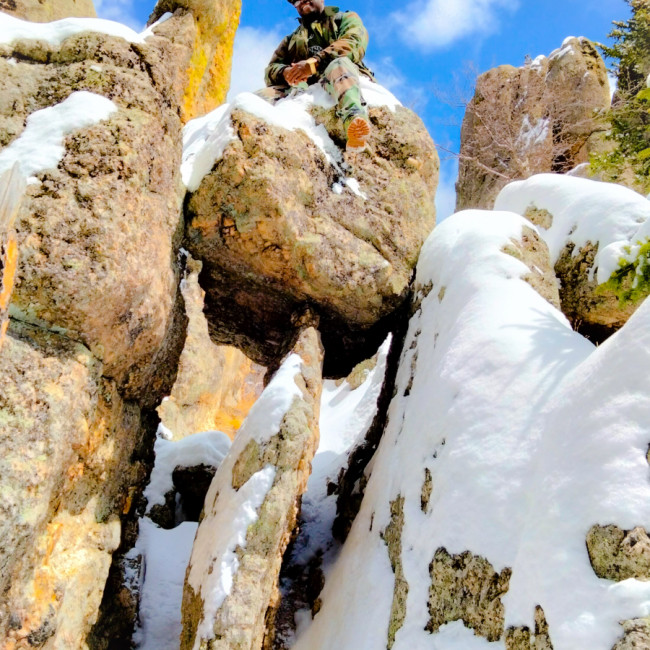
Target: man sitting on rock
x,y
328,45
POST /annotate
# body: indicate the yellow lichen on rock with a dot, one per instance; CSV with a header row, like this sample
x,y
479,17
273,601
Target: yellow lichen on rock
x,y
208,73
12,186
216,385
62,600
66,438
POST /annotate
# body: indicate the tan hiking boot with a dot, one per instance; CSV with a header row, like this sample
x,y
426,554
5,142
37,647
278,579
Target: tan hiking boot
x,y
358,132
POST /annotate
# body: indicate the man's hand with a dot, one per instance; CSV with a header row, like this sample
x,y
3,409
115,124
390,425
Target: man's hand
x,y
297,73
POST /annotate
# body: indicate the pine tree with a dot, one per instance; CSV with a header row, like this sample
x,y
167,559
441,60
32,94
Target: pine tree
x,y
630,114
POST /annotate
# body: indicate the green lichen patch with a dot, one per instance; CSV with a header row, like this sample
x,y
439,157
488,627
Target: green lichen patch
x,y
631,281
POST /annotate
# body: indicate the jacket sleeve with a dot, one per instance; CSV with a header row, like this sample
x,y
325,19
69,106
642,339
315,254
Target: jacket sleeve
x,y
279,61
352,42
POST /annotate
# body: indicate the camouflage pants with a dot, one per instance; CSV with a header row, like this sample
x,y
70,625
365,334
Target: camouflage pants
x,y
341,80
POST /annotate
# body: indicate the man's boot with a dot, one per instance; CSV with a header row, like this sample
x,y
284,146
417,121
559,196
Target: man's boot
x,y
358,132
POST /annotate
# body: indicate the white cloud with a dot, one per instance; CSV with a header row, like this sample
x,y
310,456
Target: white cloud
x,y
438,23
121,11
446,192
252,53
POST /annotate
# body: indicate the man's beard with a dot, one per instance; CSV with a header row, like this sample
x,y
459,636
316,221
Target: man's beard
x,y
312,16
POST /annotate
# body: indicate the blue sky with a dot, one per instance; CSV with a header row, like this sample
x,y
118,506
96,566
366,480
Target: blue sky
x,y
427,52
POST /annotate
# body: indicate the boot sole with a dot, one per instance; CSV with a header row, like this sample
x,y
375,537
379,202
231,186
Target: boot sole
x,y
358,131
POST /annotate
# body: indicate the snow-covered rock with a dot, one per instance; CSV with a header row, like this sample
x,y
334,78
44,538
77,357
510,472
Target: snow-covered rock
x,y
598,235
509,438
251,509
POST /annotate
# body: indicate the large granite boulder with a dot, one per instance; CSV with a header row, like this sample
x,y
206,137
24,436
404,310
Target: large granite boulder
x,y
96,315
231,584
97,233
544,116
284,219
39,11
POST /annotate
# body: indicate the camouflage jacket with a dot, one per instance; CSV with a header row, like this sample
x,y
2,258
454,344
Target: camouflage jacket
x,y
335,34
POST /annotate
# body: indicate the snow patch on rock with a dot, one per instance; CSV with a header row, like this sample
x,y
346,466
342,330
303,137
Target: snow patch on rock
x,y
13,29
584,211
223,531
165,555
206,448
40,145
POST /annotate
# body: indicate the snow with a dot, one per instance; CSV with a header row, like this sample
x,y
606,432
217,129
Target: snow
x,y
531,435
13,29
376,95
583,210
530,134
592,469
206,138
345,417
565,49
165,554
40,145
537,63
353,184
230,512
206,448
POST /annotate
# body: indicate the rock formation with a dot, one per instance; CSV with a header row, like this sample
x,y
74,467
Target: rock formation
x,y
542,117
280,224
482,479
40,11
215,385
260,483
97,320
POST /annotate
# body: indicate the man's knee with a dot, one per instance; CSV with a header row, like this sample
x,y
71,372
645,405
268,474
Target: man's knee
x,y
341,66
342,75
